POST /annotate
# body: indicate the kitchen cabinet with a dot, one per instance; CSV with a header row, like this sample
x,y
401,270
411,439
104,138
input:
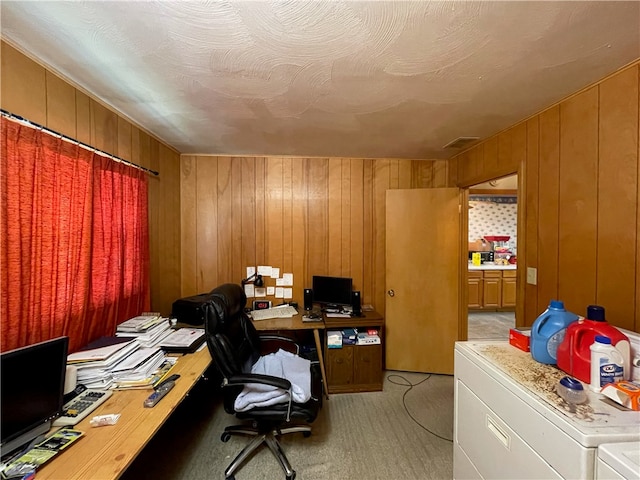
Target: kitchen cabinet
x,y
475,289
355,368
491,289
508,288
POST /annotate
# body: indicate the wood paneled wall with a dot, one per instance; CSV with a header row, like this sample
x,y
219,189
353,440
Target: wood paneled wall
x,y
307,216
33,92
579,221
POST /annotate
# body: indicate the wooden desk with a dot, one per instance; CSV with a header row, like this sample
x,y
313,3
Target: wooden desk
x,y
296,323
105,452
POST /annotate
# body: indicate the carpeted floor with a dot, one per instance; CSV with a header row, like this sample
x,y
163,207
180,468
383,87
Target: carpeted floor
x,y
490,325
364,436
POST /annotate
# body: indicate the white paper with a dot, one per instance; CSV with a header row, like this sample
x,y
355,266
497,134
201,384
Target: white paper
x,y
288,293
260,292
288,279
275,272
264,270
249,290
280,282
250,271
279,292
271,290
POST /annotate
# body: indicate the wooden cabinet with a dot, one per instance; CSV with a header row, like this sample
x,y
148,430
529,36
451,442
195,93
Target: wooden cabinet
x,y
355,368
508,288
492,289
475,289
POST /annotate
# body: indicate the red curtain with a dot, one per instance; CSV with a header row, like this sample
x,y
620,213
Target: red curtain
x,y
75,249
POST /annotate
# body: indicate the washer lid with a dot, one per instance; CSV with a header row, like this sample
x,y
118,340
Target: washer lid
x,y
624,458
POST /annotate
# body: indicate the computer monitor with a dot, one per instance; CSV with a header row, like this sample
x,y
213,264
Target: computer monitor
x,y
31,394
332,291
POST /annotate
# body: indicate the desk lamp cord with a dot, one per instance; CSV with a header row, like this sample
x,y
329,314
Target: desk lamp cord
x,y
407,383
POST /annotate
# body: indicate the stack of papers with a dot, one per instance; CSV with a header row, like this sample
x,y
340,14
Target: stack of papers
x,y
152,380
139,365
183,340
149,331
95,365
139,324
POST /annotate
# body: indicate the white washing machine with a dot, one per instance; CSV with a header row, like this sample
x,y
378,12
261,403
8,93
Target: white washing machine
x,y
510,423
618,461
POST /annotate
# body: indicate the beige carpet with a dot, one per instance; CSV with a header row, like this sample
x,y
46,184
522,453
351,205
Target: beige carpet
x,y
356,436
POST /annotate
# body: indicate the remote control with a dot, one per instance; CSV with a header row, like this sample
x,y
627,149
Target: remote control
x,y
156,396
171,378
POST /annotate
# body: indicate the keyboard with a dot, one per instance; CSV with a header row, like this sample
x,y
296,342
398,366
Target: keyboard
x,y
79,407
283,311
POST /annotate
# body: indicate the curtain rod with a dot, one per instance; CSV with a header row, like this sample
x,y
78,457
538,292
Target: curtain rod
x,y
29,123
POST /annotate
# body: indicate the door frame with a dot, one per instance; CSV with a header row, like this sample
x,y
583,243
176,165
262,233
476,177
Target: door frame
x,y
463,320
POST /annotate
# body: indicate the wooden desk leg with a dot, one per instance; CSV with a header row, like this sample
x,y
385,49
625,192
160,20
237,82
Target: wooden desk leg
x,y
316,336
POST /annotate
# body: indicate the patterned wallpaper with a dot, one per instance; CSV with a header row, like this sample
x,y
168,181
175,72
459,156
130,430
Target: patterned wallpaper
x,y
493,216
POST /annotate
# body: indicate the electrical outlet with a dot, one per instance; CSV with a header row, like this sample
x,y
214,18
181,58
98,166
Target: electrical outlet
x,y
532,276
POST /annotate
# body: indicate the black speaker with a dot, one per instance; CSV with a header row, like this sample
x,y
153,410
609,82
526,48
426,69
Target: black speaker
x,y
356,306
308,299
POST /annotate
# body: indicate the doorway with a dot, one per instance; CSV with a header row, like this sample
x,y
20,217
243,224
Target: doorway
x,y
492,236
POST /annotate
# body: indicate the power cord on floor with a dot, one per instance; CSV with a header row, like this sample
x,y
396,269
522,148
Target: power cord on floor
x,y
404,403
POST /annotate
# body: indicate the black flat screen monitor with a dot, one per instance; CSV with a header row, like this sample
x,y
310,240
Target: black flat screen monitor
x,y
32,387
332,291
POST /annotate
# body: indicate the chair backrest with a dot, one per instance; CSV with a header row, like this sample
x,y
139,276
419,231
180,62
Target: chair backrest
x,y
232,339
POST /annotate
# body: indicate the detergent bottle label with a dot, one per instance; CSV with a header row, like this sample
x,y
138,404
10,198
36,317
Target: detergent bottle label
x,y
554,342
609,372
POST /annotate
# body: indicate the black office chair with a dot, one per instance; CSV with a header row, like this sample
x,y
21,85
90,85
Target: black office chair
x,y
235,346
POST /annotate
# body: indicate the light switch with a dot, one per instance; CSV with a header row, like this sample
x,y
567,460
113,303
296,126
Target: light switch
x,y
532,276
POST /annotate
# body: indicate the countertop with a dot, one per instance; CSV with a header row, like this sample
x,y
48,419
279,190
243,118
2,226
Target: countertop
x,y
490,266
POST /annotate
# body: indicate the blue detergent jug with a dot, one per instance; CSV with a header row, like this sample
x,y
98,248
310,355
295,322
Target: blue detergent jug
x,y
548,332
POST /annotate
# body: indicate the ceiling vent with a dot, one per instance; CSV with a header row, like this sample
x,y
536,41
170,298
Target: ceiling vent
x,y
461,142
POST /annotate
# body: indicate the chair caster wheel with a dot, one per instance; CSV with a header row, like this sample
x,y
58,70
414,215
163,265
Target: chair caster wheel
x,y
306,434
225,438
292,476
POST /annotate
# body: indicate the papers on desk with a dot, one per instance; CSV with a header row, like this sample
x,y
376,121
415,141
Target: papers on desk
x,y
102,356
141,323
150,336
183,340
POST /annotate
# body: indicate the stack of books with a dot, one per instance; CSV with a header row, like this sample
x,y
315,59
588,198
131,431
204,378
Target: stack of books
x,y
370,337
149,329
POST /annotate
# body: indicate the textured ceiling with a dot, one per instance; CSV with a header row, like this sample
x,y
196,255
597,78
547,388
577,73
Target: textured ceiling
x,y
330,78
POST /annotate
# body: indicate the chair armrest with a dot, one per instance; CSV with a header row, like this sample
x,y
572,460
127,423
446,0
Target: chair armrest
x,y
257,378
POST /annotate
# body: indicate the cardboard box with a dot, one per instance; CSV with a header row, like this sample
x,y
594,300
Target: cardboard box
x,y
520,337
625,393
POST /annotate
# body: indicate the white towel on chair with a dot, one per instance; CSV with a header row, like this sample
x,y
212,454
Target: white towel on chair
x,y
281,364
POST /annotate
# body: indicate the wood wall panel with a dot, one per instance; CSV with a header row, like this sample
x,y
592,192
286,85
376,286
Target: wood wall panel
x,y
83,118
61,106
617,192
548,207
322,216
581,187
528,293
578,201
31,91
124,139
24,86
188,222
